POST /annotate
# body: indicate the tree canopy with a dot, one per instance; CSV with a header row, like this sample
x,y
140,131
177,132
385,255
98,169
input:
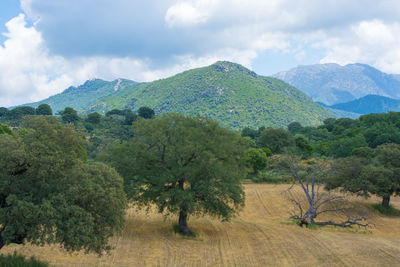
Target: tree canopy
x,y
183,165
44,109
50,194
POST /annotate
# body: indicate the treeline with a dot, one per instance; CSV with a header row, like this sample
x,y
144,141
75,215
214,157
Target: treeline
x,y
364,153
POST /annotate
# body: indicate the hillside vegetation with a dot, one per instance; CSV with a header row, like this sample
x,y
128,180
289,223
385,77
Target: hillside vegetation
x,y
224,91
260,236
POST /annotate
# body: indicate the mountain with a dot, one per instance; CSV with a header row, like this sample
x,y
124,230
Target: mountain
x,y
224,91
369,104
332,84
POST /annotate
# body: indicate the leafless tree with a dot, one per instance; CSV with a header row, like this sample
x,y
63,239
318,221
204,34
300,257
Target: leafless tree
x,y
312,201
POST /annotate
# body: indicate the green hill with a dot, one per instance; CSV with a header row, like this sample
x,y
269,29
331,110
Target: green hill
x,y
224,91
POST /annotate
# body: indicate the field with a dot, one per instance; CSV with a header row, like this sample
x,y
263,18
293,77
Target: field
x,y
260,236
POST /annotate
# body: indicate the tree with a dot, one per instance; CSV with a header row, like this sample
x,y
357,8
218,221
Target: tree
x,y
294,127
94,118
183,165
3,111
146,112
275,139
49,194
44,109
364,175
130,117
4,129
69,115
312,201
257,159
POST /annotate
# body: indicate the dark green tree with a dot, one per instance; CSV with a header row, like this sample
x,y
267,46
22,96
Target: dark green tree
x,y
275,139
69,115
44,109
94,118
257,159
4,129
183,165
49,194
3,111
366,175
294,127
248,132
130,117
146,112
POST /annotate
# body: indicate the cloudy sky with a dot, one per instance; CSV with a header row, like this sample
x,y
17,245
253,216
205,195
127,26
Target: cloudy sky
x,y
48,45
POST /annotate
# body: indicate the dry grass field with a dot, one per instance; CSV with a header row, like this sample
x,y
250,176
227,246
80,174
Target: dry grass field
x,y
260,236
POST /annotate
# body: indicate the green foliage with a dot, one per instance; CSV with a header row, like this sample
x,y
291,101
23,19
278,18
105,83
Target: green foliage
x,y
390,211
183,165
146,112
4,129
224,91
44,109
303,144
294,127
275,139
69,115
49,194
3,111
257,159
94,118
15,260
365,175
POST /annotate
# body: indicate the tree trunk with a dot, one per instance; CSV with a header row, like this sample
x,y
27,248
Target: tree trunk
x,y
385,201
183,228
1,241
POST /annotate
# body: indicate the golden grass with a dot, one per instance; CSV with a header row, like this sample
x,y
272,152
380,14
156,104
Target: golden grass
x,y
260,236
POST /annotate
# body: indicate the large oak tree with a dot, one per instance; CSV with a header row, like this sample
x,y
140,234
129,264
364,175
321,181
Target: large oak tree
x,y
50,194
183,165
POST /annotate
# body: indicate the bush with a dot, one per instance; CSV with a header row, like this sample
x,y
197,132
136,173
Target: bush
x,y
15,260
386,210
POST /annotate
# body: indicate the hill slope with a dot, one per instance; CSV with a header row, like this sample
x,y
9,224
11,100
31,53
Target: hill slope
x,y
224,91
369,104
332,83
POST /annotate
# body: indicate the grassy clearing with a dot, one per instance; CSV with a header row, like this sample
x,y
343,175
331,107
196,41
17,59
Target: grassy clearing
x,y
260,236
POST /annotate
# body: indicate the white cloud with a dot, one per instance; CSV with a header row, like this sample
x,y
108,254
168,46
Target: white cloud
x,y
72,41
372,42
184,14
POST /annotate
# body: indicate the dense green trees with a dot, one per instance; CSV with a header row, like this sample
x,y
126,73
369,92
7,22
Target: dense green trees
x,y
93,117
257,159
44,109
4,129
275,139
366,173
69,115
183,165
146,112
50,194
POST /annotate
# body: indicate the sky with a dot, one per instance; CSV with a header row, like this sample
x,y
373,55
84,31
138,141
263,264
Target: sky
x,y
49,45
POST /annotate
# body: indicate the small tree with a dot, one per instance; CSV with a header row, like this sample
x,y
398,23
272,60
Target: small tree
x,y
183,165
275,139
146,112
94,118
69,115
257,159
49,194
44,109
364,175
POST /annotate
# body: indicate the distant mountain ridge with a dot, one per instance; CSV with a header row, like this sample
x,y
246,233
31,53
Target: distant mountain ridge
x,y
369,104
332,83
224,91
